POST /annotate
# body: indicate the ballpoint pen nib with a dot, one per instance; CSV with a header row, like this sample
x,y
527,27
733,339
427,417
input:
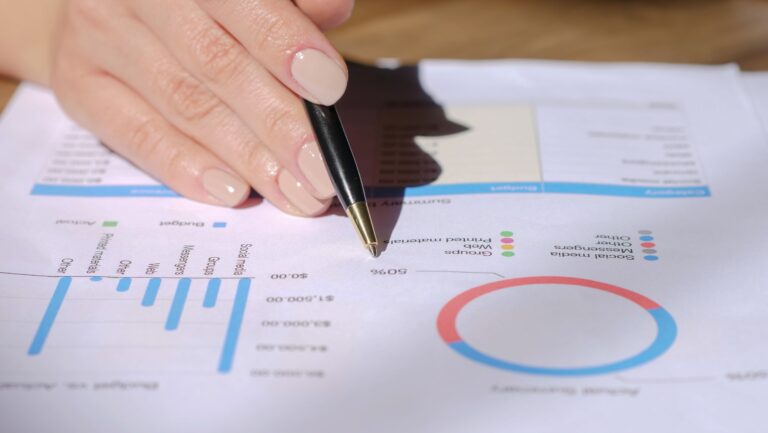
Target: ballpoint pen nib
x,y
361,219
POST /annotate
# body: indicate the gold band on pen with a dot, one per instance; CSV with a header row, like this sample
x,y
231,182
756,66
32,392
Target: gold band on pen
x,y
361,219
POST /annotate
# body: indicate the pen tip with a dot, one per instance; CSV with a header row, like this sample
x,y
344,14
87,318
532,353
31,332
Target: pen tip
x,y
374,251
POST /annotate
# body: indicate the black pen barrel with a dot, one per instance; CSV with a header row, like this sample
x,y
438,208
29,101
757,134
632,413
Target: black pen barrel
x,y
337,153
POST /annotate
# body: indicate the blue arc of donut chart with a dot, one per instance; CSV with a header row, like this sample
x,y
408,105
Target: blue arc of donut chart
x,y
666,329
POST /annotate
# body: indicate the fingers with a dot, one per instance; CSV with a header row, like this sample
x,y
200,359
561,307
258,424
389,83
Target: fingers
x,y
287,43
146,66
132,128
326,14
215,82
268,109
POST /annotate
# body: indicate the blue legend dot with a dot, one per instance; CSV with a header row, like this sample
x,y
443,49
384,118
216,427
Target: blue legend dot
x,y
95,278
646,238
651,258
219,225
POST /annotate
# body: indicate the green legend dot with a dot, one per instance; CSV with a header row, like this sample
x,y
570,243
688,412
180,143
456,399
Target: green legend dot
x,y
508,253
507,233
109,224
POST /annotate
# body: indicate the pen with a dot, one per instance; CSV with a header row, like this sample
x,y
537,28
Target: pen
x,y
341,166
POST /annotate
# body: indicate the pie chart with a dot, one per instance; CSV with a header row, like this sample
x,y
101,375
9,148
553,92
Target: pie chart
x,y
665,328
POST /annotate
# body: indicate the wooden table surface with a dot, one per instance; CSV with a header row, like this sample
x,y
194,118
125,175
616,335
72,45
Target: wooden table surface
x,y
690,31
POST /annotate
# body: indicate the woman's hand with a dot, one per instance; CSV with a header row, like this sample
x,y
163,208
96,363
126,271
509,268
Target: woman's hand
x,y
205,94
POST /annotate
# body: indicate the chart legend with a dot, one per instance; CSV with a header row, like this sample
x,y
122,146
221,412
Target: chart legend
x,y
507,243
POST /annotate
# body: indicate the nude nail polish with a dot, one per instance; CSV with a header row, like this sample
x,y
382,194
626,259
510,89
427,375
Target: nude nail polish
x,y
322,77
225,187
295,192
312,165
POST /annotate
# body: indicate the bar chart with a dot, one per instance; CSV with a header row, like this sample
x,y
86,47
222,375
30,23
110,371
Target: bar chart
x,y
151,288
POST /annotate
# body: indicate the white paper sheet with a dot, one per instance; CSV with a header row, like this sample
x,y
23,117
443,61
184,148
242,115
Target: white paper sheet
x,y
756,86
581,248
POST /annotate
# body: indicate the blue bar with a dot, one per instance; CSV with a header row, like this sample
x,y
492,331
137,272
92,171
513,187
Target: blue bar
x,y
103,190
123,284
211,293
626,191
150,295
413,191
455,189
233,329
50,316
540,187
177,305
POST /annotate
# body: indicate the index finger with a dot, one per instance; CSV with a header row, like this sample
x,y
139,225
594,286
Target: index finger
x,y
287,43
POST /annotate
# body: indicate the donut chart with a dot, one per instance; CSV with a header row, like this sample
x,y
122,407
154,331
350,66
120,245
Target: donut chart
x,y
665,324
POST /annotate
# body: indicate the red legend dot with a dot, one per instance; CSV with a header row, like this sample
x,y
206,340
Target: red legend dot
x,y
507,240
647,245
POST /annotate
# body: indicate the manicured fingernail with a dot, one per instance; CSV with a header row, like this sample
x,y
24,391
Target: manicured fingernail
x,y
224,187
312,165
319,75
295,192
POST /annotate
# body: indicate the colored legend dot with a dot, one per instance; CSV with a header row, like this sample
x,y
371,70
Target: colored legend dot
x,y
506,243
109,224
649,247
219,225
95,278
